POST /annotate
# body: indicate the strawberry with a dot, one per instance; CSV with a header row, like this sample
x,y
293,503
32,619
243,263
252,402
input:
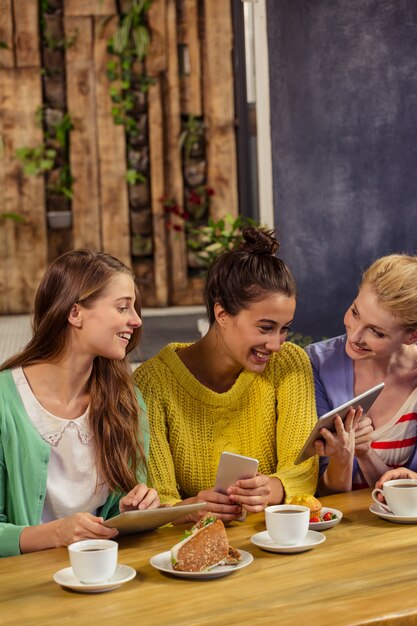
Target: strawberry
x,y
314,519
328,516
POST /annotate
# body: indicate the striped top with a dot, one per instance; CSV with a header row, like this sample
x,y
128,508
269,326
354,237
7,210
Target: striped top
x,y
395,441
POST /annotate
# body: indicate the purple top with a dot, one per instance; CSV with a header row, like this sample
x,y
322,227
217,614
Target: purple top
x,y
334,383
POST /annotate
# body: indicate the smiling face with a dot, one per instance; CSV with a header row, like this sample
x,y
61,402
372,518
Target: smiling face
x,y
372,332
105,328
255,333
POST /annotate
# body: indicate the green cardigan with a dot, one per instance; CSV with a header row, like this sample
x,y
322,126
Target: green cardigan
x,y
24,458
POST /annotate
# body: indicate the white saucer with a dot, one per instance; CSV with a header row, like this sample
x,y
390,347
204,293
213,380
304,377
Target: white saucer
x,y
397,519
264,541
162,562
66,578
330,523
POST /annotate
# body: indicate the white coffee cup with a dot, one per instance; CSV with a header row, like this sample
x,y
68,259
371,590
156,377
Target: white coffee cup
x,y
93,560
287,524
400,496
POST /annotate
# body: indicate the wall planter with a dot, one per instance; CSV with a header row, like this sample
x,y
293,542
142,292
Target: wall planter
x,y
58,220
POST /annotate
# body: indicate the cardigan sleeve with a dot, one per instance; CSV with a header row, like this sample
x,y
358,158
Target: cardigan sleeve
x,y
161,469
296,417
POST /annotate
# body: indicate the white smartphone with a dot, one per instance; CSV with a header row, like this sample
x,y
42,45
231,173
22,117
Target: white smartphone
x,y
233,467
364,400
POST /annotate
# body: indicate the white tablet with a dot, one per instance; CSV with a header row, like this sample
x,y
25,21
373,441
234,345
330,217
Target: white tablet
x,y
139,521
365,400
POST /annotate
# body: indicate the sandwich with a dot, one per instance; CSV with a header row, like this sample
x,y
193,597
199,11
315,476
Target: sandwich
x,y
203,547
307,500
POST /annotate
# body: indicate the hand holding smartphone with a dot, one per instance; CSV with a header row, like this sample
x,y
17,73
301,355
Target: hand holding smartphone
x,y
233,467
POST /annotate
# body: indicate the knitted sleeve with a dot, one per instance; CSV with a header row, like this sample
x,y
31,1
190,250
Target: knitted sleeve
x,y
296,416
152,379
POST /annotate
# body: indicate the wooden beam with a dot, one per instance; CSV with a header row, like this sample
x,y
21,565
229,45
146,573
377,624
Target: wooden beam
x,y
174,180
27,41
156,162
85,8
6,35
83,138
219,114
156,59
114,200
23,247
189,50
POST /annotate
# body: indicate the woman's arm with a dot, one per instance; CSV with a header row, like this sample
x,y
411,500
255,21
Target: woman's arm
x,y
62,532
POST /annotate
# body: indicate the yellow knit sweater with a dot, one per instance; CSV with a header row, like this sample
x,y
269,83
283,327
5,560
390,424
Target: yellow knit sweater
x,y
267,416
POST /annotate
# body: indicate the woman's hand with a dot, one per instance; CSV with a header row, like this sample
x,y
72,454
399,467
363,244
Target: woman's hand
x,y
340,445
363,436
394,474
217,503
140,497
252,494
81,526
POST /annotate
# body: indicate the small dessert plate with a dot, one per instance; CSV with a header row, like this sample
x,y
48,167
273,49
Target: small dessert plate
x,y
65,577
264,541
329,523
162,562
397,519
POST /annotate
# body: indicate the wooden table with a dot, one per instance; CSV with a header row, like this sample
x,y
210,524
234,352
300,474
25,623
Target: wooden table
x,y
365,572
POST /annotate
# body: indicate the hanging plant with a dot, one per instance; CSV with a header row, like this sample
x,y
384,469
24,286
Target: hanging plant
x,y
129,46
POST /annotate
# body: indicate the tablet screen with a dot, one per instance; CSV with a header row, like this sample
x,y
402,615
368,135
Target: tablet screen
x,y
139,521
365,400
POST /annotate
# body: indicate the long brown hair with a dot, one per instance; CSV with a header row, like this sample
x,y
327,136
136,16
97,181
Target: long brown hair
x,y
114,415
242,276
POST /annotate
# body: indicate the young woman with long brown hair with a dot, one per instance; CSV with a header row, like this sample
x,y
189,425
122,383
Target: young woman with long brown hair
x,y
241,388
73,429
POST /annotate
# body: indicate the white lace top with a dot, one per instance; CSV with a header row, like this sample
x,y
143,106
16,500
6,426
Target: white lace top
x,y
71,482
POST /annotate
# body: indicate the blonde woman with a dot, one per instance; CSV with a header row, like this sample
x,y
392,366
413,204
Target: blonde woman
x,y
379,346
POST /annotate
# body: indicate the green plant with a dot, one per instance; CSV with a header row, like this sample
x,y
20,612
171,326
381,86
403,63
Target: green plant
x,y
128,46
133,177
208,242
43,157
37,160
299,339
15,217
192,136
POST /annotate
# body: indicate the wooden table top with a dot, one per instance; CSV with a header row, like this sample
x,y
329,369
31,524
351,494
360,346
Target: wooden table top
x,y
366,571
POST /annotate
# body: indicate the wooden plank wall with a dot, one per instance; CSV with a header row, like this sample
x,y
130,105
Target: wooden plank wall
x,y
100,204
23,247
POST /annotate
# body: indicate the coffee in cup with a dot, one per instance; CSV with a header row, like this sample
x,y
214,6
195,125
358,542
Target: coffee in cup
x,y
287,524
400,496
93,560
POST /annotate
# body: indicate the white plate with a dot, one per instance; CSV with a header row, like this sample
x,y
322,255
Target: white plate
x,y
66,578
330,523
264,541
397,519
162,562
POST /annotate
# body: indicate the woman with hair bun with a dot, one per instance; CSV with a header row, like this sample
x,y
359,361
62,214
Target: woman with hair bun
x,y
239,389
379,346
73,429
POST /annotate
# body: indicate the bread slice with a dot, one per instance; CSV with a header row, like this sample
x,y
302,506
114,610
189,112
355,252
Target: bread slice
x,y
204,546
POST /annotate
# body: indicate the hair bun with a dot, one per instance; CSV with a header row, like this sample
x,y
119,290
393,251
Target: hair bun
x,y
259,241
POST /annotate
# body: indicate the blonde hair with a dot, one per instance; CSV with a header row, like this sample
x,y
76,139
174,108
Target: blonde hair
x,y
394,280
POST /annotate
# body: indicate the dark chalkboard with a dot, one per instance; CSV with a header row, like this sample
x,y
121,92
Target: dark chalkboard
x,y
343,83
